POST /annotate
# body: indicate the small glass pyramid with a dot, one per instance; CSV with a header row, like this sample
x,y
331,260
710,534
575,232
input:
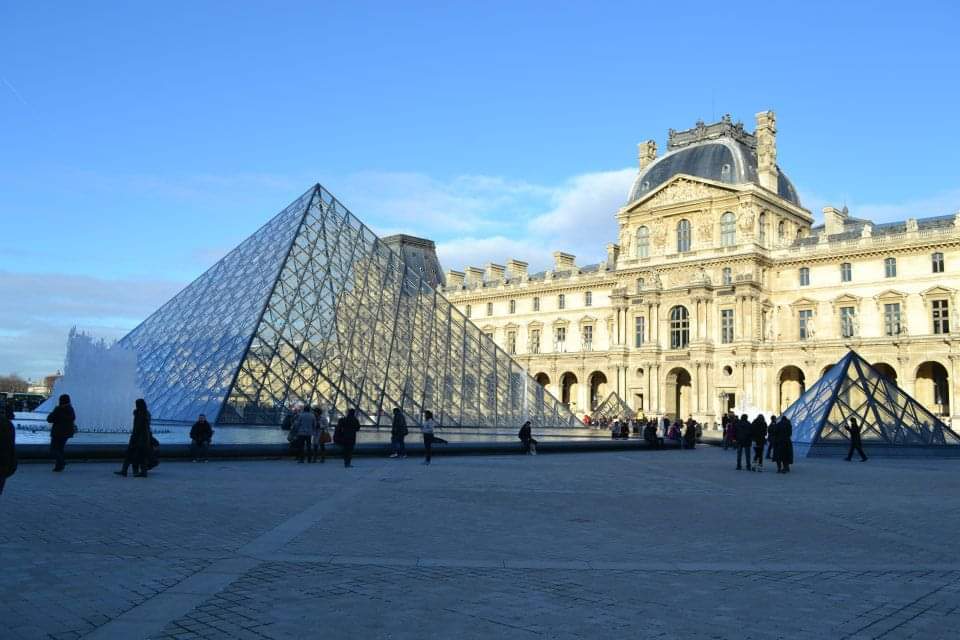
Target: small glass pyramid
x,y
852,388
315,307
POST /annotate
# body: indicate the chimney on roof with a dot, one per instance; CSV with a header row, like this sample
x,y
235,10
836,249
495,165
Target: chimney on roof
x,y
517,269
563,261
834,220
766,135
646,153
474,275
494,272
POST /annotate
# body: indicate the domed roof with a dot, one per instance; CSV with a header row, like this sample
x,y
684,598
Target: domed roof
x,y
727,155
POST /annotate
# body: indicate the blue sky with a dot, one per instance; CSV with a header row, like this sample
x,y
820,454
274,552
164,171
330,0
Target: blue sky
x,y
140,141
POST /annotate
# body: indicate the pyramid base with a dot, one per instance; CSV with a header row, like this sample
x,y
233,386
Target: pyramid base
x,y
876,450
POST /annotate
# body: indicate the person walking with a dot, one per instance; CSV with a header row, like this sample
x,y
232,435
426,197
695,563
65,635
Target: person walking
x,y
303,428
783,445
139,446
426,428
856,440
321,433
201,433
8,445
527,444
345,435
759,428
62,427
744,441
398,431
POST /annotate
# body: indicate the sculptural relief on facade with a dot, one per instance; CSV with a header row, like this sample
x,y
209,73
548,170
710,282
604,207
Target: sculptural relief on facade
x,y
680,191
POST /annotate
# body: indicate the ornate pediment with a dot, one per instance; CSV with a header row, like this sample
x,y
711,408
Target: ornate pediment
x,y
936,291
890,295
678,190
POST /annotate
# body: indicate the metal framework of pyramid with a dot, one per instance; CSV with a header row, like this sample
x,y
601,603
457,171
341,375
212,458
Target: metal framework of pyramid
x,y
315,307
611,408
888,416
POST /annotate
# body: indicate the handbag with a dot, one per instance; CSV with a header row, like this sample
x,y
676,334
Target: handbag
x,y
325,437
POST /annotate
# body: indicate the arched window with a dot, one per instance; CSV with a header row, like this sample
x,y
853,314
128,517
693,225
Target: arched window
x,y
683,236
728,229
727,275
643,242
679,327
763,228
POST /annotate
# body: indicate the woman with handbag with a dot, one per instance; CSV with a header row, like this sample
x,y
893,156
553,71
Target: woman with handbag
x,y
62,427
8,445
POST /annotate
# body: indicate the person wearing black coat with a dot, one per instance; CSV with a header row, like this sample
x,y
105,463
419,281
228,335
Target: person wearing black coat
x,y
770,436
201,433
744,435
690,434
345,435
140,445
759,428
783,445
62,427
856,440
398,431
8,445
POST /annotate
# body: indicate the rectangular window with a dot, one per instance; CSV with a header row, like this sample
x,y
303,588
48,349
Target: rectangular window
x,y
535,341
468,311
726,326
846,272
560,337
588,338
936,262
513,306
536,303
941,316
588,299
561,301
804,276
806,324
891,319
511,342
640,330
890,267
489,308
848,321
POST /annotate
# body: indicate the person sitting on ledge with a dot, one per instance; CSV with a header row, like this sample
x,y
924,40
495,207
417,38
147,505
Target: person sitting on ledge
x,y
201,433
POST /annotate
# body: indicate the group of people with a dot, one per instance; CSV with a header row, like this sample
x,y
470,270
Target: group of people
x,y
750,438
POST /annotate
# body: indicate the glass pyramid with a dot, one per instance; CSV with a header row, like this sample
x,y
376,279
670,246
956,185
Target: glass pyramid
x,y
315,307
611,408
852,388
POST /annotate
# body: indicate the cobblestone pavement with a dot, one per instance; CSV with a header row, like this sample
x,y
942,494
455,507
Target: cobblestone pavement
x,y
672,544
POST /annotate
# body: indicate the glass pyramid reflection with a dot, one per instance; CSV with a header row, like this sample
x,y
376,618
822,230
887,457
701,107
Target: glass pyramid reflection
x,y
852,388
315,307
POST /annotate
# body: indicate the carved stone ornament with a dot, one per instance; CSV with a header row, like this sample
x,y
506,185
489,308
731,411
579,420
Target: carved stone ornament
x,y
745,223
659,233
680,191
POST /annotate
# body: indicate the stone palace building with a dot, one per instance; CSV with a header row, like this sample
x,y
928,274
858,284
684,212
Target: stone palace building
x,y
721,292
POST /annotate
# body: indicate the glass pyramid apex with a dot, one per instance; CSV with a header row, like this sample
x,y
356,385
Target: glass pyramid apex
x,y
315,307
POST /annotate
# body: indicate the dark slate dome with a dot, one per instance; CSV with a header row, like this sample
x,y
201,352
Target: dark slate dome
x,y
727,156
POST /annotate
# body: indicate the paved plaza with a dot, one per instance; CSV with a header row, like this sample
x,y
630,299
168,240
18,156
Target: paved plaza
x,y
670,544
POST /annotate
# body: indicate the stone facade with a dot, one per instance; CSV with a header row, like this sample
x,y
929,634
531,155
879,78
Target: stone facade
x,y
724,294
